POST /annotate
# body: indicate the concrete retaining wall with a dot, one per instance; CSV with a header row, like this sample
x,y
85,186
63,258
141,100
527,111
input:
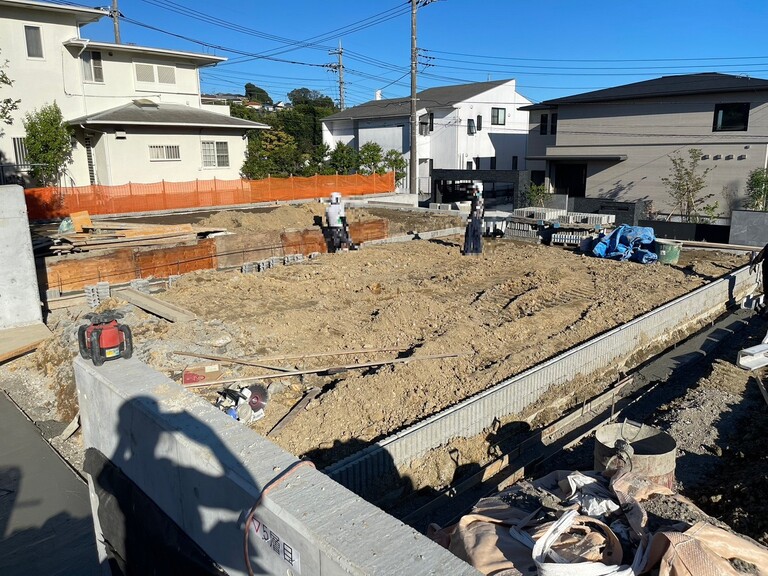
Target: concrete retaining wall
x,y
205,470
19,296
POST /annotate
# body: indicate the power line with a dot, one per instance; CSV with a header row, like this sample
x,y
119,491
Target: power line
x,y
596,60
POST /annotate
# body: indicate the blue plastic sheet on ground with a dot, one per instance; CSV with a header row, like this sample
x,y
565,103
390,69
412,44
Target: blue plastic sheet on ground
x,y
635,243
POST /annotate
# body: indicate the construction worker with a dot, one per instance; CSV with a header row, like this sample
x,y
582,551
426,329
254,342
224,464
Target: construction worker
x,y
337,224
473,235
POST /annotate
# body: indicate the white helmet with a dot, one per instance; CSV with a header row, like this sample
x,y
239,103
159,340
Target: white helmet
x,y
335,197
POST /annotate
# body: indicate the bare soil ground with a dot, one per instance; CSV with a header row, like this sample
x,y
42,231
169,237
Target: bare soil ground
x,y
513,307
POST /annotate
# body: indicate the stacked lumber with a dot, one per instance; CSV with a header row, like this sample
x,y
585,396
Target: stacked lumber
x,y
103,235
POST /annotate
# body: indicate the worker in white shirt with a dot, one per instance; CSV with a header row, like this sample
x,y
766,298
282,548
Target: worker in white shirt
x,y
336,220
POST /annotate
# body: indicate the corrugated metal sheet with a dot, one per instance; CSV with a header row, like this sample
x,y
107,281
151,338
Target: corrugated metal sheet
x,y
472,416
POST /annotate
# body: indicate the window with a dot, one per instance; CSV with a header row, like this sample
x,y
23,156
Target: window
x,y
92,68
166,74
498,116
493,162
34,41
164,152
731,117
155,74
479,122
215,155
471,126
514,162
469,165
423,129
20,150
431,121
543,124
553,124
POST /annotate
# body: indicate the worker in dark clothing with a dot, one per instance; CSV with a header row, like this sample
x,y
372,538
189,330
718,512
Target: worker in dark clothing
x,y
473,235
761,256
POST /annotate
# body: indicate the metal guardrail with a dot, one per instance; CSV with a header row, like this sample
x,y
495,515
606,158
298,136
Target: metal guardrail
x,y
473,415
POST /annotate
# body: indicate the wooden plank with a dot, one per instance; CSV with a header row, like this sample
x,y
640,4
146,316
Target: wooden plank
x,y
329,370
73,272
155,306
228,360
80,220
234,250
311,394
303,241
714,245
21,339
165,262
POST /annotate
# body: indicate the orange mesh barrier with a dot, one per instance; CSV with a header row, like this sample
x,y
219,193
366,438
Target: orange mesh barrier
x,y
50,203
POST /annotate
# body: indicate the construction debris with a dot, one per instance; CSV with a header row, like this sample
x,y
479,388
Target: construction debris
x,y
332,370
151,304
584,523
100,235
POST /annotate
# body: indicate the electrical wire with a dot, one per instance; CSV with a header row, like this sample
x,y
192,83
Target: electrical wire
x,y
218,46
268,487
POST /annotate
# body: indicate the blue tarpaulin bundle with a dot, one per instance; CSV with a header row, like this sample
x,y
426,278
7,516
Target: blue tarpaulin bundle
x,y
635,243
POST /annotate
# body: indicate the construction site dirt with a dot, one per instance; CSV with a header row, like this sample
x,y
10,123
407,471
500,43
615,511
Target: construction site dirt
x,y
512,308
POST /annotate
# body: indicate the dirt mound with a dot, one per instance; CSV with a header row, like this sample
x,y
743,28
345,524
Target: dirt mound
x,y
300,216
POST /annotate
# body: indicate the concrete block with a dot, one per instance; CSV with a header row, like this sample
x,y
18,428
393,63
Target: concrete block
x,y
206,471
19,294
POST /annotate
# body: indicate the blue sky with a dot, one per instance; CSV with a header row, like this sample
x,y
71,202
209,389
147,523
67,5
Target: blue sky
x,y
553,49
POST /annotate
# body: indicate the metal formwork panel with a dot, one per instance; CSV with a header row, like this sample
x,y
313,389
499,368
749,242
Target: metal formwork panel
x,y
473,415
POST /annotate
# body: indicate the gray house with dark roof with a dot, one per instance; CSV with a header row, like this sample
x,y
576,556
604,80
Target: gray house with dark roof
x,y
616,143
474,126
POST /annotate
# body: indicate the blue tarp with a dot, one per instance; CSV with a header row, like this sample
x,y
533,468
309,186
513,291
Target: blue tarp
x,y
635,243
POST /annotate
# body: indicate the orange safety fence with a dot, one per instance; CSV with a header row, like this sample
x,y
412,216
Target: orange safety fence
x,y
50,203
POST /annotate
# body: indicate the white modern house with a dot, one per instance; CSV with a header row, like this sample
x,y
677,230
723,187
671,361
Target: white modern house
x,y
136,112
465,127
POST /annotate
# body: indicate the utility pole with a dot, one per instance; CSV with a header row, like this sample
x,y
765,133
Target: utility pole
x,y
115,15
413,180
340,68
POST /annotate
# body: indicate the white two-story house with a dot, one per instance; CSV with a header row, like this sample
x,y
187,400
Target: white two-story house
x,y
136,112
474,126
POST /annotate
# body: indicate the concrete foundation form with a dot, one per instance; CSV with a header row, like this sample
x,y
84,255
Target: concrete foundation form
x,y
205,471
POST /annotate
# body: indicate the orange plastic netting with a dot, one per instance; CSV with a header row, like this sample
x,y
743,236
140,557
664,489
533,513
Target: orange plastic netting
x,y
49,203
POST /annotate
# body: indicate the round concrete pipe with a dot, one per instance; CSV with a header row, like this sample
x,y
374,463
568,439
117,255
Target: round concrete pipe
x,y
638,448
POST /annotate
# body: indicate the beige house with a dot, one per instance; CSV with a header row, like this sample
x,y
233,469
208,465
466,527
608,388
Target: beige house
x,y
136,112
616,143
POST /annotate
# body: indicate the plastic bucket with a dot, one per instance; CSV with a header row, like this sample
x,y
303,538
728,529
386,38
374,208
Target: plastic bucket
x,y
668,251
651,453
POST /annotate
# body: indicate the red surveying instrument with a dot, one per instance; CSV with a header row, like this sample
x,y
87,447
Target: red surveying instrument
x,y
104,338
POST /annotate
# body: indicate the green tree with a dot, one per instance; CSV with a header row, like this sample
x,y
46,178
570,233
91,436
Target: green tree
x,y
271,152
394,162
343,159
536,194
313,98
757,189
685,183
317,162
256,93
371,157
49,144
7,105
